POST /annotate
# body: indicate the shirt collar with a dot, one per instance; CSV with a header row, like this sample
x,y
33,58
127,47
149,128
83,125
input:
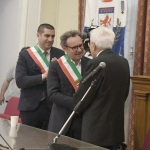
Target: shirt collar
x,y
78,66
79,63
99,53
48,51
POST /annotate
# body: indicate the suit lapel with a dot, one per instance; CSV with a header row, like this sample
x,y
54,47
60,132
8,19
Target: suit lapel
x,y
53,53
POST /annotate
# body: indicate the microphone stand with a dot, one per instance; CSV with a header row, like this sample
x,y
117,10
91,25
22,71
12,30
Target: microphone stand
x,y
6,143
72,114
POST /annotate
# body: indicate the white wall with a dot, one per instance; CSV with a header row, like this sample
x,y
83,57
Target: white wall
x,y
62,14
49,11
19,22
10,31
67,17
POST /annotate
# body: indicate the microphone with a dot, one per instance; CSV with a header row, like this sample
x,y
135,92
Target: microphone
x,y
101,65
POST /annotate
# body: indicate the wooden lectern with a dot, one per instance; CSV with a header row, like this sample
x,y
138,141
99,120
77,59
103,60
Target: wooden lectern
x,y
141,89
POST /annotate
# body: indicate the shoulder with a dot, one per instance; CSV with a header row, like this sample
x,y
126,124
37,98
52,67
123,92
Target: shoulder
x,y
54,63
85,59
23,52
84,62
88,55
57,50
122,59
54,66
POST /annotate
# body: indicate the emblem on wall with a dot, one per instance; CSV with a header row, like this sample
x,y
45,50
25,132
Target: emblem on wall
x,y
111,14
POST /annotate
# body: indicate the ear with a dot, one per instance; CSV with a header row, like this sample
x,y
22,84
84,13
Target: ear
x,y
37,35
93,46
64,48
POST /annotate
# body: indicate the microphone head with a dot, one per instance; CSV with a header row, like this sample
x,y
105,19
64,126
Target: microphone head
x,y
102,65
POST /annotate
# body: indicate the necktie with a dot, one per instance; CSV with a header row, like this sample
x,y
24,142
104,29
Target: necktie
x,y
45,53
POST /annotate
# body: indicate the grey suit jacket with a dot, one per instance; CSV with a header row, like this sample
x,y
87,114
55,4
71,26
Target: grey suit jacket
x,y
103,107
29,79
60,93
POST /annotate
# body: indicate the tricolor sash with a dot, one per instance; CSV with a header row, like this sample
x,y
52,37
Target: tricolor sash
x,y
70,70
39,58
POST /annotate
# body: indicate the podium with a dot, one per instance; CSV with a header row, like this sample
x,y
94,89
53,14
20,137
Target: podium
x,y
29,138
141,90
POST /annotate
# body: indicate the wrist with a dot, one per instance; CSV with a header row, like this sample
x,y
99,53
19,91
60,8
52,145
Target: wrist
x,y
43,77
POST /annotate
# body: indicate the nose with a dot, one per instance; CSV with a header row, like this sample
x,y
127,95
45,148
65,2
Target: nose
x,y
80,48
50,38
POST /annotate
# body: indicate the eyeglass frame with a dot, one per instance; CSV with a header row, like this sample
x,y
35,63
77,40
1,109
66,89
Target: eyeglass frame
x,y
75,48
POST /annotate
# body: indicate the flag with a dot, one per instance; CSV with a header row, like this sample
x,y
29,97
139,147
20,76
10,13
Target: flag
x,y
111,14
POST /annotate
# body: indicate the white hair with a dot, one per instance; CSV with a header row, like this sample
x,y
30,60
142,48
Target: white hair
x,y
103,37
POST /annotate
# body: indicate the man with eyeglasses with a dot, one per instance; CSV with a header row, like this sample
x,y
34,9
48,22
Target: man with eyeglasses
x,y
62,82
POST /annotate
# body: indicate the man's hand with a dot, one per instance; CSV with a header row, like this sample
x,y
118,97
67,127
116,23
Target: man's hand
x,y
1,99
44,76
54,58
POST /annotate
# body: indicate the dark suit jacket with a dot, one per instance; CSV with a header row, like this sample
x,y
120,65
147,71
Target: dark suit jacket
x,y
29,79
103,107
60,92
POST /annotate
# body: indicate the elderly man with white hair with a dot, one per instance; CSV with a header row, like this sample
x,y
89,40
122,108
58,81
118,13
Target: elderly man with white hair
x,y
103,106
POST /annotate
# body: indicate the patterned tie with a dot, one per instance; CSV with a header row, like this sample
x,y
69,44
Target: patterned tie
x,y
45,53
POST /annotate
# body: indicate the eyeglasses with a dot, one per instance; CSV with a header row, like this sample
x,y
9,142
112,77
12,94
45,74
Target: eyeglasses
x,y
75,48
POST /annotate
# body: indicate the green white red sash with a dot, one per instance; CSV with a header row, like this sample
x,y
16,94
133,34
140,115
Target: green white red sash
x,y
39,58
70,70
